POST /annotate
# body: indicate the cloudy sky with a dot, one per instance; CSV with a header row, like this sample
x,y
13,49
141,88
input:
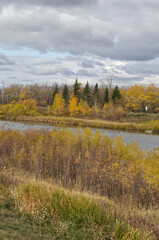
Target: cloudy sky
x,y
48,41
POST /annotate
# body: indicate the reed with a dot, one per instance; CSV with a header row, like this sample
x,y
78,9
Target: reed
x,y
152,126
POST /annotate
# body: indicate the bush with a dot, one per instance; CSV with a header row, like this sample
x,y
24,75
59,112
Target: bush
x,y
27,107
112,112
89,161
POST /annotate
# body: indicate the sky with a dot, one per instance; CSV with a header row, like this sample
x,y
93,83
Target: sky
x,y
57,41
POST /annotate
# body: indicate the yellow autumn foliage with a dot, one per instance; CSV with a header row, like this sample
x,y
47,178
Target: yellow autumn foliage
x,y
112,112
86,160
58,105
135,98
73,106
27,108
83,108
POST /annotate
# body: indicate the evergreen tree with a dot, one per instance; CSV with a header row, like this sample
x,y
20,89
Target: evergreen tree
x,y
65,94
87,94
116,95
76,89
96,94
56,90
106,95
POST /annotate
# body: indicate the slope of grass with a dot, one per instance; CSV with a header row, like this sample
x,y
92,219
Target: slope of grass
x,y
39,210
15,225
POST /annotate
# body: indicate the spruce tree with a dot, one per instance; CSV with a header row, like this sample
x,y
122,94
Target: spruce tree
x,y
65,94
106,95
87,94
76,89
56,90
96,94
116,95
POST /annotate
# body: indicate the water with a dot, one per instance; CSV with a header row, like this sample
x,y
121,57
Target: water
x,y
148,141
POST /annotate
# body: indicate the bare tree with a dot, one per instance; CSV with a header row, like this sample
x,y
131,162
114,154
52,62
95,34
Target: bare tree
x,y
110,81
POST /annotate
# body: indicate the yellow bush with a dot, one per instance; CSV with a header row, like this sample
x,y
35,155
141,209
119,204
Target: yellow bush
x,y
112,112
85,160
27,107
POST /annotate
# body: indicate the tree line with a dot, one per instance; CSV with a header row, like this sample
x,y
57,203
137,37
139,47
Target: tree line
x,y
136,98
44,95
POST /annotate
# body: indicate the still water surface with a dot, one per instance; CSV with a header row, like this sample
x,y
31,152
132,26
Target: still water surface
x,y
148,141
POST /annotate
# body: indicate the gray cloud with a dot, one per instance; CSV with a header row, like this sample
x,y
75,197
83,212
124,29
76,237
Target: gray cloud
x,y
87,64
142,68
48,71
127,80
67,68
5,69
47,3
100,37
4,60
49,29
122,31
86,73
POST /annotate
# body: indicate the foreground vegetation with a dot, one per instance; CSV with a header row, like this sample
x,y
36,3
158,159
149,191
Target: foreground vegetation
x,y
86,161
112,188
35,209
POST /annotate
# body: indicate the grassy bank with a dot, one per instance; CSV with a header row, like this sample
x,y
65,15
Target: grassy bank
x,y
152,125
36,209
140,117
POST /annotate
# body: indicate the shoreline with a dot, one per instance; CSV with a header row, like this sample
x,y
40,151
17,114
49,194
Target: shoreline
x,y
93,123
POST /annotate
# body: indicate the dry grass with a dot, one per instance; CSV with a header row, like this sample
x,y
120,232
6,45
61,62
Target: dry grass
x,y
102,218
152,125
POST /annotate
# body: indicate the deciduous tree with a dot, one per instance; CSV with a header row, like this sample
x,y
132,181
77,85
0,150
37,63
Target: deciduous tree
x,y
58,105
73,105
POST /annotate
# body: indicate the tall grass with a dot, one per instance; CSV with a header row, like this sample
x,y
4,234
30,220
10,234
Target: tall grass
x,y
65,214
152,125
85,161
77,209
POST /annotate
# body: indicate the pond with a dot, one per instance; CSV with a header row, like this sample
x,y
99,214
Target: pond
x,y
148,141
